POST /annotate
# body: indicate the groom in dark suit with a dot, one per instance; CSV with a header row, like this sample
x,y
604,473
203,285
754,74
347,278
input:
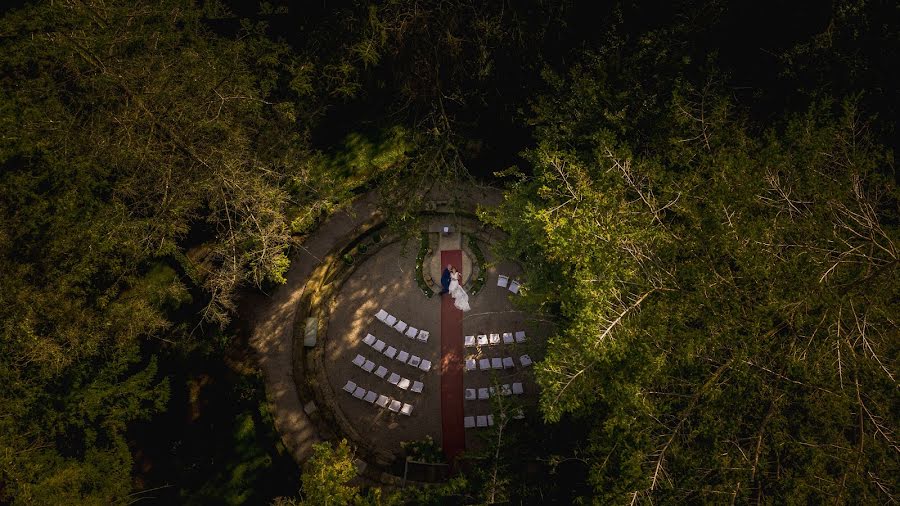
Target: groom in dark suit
x,y
445,280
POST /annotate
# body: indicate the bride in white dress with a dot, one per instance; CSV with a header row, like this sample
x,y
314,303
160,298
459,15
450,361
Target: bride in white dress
x,y
460,297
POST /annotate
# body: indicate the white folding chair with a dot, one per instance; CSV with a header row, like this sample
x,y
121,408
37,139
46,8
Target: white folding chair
x,y
470,364
401,326
394,378
403,384
520,336
507,338
508,363
469,422
517,389
381,371
482,339
470,394
359,392
505,390
370,397
359,360
395,405
525,360
417,387
390,320
423,336
383,401
481,421
368,366
425,365
379,346
350,387
381,315
514,287
483,394
411,332
403,356
484,364
494,339
497,363
469,341
490,420
502,280
414,361
369,339
406,409
390,352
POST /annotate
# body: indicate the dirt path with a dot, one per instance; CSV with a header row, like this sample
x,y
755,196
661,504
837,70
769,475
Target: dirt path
x,y
272,336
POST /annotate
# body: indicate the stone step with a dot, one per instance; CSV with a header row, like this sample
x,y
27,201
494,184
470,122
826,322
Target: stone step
x,y
448,242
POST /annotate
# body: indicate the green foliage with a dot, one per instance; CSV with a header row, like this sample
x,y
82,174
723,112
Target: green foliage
x,y
233,484
333,178
326,480
454,488
327,473
151,141
438,65
707,286
425,450
87,424
424,250
480,262
135,126
846,58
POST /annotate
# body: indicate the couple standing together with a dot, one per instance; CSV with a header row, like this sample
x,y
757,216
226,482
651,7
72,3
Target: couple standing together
x,y
450,280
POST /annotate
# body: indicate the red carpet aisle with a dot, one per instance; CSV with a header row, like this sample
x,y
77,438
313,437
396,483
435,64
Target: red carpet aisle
x,y
452,367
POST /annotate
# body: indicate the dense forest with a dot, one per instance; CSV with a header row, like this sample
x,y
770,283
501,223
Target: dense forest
x,y
702,193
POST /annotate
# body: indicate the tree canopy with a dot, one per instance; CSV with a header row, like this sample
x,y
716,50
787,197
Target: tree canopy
x,y
131,131
725,297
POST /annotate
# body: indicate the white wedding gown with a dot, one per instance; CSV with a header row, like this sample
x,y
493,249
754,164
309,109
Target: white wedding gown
x,y
460,297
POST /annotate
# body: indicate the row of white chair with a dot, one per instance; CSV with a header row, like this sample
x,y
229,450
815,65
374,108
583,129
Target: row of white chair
x,y
401,326
488,392
496,363
504,282
373,397
494,339
394,379
400,355
471,422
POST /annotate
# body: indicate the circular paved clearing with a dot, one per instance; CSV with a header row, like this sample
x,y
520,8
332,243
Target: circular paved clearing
x,y
273,319
387,280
